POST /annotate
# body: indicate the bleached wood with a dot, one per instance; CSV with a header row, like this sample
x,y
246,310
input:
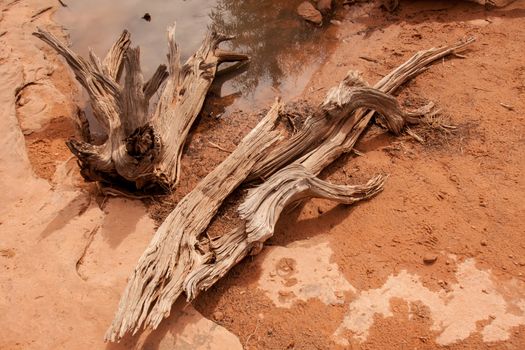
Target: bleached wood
x,y
309,141
142,150
263,205
179,244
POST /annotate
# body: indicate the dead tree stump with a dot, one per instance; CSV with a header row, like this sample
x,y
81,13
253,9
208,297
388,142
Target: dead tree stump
x,y
142,149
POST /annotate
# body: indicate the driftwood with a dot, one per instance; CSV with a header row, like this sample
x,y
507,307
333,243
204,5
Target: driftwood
x,y
142,150
181,256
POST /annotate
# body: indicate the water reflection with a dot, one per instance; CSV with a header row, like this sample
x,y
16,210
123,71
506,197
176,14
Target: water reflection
x,y
285,50
272,34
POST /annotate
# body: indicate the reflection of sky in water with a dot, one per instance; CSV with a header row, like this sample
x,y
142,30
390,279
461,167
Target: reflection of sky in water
x,y
269,31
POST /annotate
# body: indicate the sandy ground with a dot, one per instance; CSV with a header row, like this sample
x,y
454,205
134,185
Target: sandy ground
x,y
333,276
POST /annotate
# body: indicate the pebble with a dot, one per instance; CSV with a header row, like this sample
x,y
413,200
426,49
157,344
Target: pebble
x,y
310,13
429,259
23,101
218,316
324,5
483,243
479,22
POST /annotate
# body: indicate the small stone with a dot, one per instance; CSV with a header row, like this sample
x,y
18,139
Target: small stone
x,y
218,316
310,13
479,22
335,22
284,293
483,243
23,101
445,286
320,210
429,259
324,5
290,282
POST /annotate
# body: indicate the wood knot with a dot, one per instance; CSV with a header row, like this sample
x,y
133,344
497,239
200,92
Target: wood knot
x,y
142,142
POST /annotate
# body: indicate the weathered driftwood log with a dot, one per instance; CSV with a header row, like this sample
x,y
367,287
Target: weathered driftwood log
x,y
142,150
233,246
157,280
182,258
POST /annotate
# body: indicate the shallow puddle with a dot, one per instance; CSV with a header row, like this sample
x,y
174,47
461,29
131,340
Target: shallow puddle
x,y
285,51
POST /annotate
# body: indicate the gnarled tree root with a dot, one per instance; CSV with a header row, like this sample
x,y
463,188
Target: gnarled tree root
x,y
142,150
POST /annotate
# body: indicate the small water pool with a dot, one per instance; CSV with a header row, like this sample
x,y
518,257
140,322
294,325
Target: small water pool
x,y
285,51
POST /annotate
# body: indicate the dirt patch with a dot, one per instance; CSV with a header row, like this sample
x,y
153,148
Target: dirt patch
x,y
47,148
